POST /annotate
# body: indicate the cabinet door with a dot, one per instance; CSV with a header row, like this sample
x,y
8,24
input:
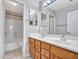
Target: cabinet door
x,y
31,47
32,52
62,53
44,50
45,53
52,56
37,48
37,55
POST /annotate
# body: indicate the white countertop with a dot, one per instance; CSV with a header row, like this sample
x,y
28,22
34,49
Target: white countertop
x,y
71,45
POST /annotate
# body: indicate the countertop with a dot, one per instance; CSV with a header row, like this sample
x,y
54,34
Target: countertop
x,y
71,45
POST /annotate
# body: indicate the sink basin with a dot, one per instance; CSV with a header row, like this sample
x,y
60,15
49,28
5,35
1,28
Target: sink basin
x,y
72,41
64,40
51,38
69,41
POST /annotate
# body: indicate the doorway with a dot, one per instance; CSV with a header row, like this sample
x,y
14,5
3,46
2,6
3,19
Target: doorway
x,y
14,25
51,24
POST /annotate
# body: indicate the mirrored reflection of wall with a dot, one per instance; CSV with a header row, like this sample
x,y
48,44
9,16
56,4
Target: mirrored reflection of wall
x,y
72,22
44,20
14,24
61,19
43,24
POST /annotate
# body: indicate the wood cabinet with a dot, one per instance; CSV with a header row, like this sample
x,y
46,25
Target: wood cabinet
x,y
42,50
31,47
37,43
37,49
44,46
37,55
44,57
61,53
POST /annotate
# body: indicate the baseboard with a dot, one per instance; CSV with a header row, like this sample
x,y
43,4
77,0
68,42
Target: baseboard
x,y
11,46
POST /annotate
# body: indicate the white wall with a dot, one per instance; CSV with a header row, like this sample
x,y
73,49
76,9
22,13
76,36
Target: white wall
x,y
2,27
61,18
25,31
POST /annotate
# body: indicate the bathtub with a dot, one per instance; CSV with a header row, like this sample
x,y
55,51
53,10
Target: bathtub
x,y
13,45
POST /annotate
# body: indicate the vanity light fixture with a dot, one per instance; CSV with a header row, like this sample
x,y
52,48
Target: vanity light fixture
x,y
48,2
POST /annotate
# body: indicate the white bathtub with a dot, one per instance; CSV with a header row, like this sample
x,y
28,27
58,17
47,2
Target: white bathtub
x,y
13,45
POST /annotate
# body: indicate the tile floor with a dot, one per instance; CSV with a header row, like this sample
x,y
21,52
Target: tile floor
x,y
15,54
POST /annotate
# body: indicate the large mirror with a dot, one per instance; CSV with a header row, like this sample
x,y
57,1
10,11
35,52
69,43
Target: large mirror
x,y
59,17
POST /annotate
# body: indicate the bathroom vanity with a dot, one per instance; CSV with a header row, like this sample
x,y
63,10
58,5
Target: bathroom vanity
x,y
51,48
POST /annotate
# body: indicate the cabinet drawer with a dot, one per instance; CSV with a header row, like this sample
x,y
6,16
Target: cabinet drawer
x,y
45,53
62,53
45,46
31,47
31,40
37,43
37,55
37,48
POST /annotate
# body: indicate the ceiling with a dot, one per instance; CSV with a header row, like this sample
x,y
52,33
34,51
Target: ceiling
x,y
59,4
13,6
